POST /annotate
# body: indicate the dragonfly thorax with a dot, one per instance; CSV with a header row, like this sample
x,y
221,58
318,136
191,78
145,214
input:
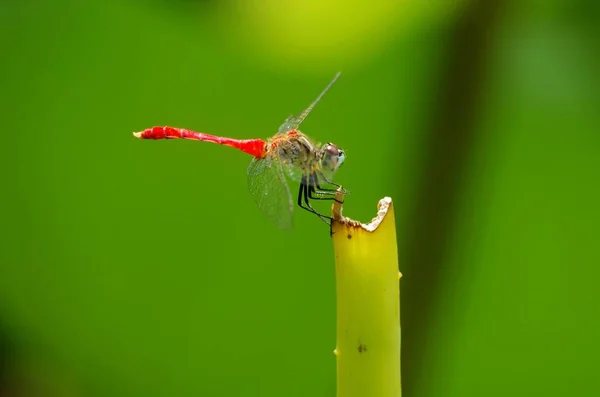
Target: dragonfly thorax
x,y
296,150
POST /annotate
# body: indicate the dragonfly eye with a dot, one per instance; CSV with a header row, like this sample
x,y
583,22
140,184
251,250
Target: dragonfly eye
x,y
333,157
332,150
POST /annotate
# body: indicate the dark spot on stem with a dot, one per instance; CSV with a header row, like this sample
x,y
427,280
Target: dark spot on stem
x,y
362,348
349,236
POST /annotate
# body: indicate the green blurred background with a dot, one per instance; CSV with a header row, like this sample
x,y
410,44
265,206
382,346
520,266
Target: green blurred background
x,y
141,268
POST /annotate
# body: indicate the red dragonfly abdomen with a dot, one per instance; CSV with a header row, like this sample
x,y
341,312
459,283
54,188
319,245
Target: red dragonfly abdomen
x,y
254,147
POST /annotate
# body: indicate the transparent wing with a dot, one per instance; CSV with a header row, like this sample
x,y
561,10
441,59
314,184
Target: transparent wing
x,y
268,187
292,172
293,122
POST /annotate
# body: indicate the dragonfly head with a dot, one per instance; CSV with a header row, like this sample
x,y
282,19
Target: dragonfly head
x,y
332,158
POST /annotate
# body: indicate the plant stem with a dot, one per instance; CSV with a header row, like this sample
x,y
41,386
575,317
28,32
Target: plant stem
x,y
368,304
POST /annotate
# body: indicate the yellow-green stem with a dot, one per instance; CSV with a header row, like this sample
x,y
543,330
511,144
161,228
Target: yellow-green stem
x,y
368,305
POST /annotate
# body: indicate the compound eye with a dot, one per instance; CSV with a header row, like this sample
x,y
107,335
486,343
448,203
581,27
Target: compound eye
x,y
333,150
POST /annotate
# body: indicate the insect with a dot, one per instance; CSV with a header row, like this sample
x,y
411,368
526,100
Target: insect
x,y
289,154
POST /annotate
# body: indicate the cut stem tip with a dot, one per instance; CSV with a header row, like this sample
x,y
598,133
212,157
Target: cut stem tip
x,y
382,209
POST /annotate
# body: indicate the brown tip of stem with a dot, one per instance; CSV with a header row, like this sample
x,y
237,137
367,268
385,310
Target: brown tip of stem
x,y
382,209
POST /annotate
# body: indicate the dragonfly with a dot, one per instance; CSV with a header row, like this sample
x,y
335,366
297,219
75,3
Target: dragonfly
x,y
288,155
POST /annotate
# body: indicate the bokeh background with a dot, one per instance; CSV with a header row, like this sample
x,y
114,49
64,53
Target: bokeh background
x,y
142,268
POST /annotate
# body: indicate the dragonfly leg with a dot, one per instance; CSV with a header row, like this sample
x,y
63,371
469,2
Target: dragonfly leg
x,y
303,202
308,192
322,176
321,192
304,193
314,178
329,194
314,194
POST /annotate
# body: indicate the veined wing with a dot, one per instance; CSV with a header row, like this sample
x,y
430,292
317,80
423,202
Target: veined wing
x,y
268,187
293,122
